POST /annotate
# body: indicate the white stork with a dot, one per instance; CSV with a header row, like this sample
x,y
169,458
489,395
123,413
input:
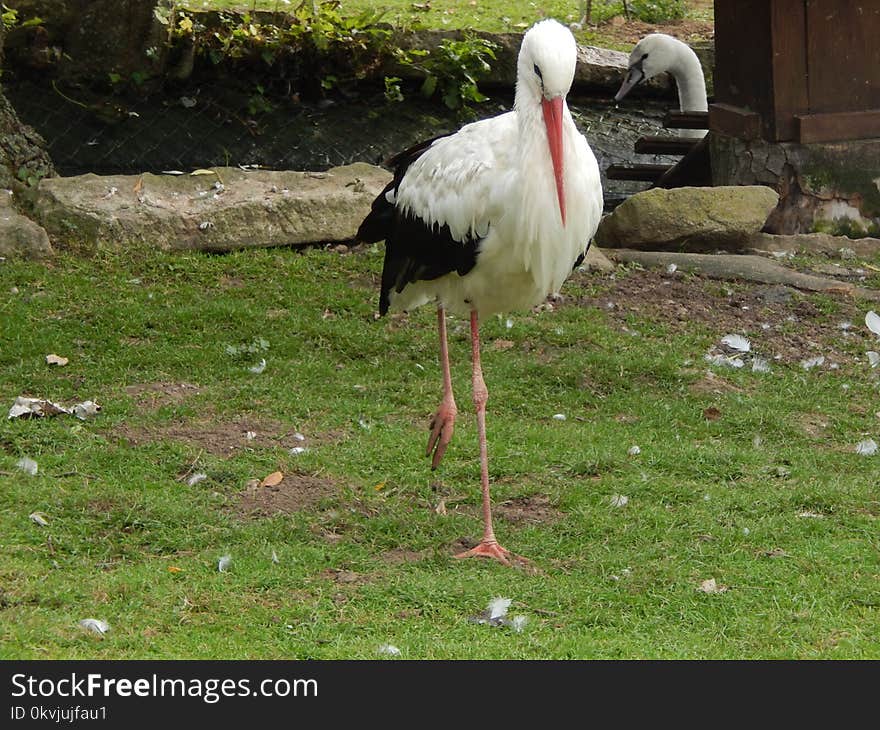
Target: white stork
x,y
490,219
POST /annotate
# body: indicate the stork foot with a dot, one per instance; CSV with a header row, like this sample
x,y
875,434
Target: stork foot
x,y
491,549
442,427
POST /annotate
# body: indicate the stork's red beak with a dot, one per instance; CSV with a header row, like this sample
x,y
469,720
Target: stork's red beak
x,y
553,121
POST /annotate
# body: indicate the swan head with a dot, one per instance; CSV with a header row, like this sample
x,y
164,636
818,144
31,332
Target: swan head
x,y
652,55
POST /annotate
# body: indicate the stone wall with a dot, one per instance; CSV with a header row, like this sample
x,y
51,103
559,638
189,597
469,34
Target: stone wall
x,y
828,187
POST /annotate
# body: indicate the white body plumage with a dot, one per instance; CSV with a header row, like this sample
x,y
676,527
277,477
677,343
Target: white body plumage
x,y
494,180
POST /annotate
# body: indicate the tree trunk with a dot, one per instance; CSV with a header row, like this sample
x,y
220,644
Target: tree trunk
x,y
23,153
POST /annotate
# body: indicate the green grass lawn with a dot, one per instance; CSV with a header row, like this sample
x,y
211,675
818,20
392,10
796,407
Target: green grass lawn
x,y
765,493
488,15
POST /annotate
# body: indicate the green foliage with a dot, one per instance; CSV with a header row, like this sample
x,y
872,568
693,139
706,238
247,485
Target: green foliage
x,y
658,11
9,16
393,91
452,69
314,44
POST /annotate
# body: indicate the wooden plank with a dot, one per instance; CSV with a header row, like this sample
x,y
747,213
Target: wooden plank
x,y
743,54
645,173
843,55
788,62
658,145
838,126
686,120
734,121
695,168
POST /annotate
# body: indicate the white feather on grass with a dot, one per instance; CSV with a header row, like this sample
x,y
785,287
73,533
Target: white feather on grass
x,y
723,360
39,518
873,358
619,500
388,649
223,563
259,367
760,365
813,362
868,447
634,450
872,320
275,558
27,465
86,409
95,625
518,623
736,342
196,478
497,608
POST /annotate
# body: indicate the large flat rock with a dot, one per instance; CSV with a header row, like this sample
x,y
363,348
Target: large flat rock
x,y
690,218
20,237
226,208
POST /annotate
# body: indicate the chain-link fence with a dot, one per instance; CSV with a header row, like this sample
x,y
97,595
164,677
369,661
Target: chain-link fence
x,y
213,125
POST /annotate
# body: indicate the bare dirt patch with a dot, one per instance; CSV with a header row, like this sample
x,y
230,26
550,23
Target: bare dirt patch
x,y
218,438
783,324
399,555
295,493
532,510
150,396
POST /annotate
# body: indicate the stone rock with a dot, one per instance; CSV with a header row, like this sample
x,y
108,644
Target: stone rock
x,y
826,186
815,243
690,218
20,237
595,260
224,209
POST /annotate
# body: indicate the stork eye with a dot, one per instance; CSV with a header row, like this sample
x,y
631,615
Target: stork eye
x,y
644,56
538,72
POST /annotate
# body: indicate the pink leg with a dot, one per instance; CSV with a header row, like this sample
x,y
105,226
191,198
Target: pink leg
x,y
443,424
488,547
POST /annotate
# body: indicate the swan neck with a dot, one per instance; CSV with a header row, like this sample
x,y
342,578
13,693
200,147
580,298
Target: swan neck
x,y
688,74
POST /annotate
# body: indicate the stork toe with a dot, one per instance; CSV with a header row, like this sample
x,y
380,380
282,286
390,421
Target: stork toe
x,y
442,427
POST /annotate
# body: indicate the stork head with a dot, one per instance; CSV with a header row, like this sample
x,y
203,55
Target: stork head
x,y
545,70
652,55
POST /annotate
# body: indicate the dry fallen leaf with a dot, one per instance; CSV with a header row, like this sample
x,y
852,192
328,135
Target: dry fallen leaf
x,y
711,413
711,586
174,569
440,509
39,518
272,479
138,186
53,359
502,344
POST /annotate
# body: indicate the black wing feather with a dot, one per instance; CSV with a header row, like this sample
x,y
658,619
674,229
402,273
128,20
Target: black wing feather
x,y
414,250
